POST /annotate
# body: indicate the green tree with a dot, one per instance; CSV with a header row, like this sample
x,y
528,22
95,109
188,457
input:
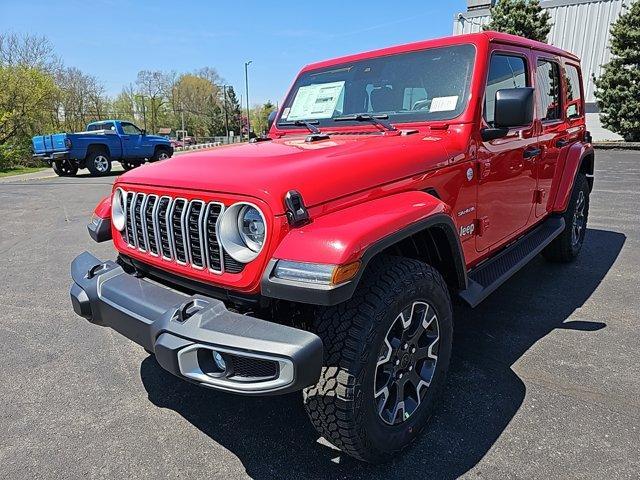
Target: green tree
x,y
260,117
618,88
26,101
234,110
520,17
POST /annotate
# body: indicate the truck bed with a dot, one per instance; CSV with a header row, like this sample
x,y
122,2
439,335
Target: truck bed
x,y
45,145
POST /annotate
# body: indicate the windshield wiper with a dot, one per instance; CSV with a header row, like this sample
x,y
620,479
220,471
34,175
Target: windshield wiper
x,y
311,125
367,117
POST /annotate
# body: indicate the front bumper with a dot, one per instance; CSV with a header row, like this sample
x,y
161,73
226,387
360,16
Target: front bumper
x,y
183,331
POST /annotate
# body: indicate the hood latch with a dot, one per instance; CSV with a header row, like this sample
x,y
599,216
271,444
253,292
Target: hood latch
x,y
297,213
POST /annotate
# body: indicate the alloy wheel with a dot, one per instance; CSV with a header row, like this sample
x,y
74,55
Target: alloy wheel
x,y
101,163
406,363
578,219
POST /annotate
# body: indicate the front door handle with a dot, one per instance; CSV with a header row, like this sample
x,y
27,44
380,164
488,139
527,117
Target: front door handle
x,y
532,152
562,143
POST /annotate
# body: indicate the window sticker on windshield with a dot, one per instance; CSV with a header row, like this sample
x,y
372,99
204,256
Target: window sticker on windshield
x,y
316,101
444,104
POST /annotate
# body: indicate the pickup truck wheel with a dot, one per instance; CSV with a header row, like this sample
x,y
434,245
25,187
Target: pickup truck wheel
x,y
98,163
64,168
387,352
160,154
566,246
129,165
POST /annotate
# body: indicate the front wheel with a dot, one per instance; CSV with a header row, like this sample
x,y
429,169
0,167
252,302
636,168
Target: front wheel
x,y
98,163
387,352
64,168
160,154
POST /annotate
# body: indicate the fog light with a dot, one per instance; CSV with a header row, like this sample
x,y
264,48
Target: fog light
x,y
220,363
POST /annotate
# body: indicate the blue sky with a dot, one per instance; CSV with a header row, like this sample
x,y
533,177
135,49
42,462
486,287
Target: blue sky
x,y
114,39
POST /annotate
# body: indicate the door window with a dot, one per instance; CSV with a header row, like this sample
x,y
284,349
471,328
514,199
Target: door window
x,y
574,94
548,85
505,71
131,129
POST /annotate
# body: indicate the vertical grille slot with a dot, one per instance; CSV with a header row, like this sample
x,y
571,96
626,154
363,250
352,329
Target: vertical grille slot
x,y
161,217
138,200
194,232
149,224
176,225
212,245
129,237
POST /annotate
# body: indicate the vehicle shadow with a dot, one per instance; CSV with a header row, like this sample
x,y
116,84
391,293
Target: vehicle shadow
x,y
272,437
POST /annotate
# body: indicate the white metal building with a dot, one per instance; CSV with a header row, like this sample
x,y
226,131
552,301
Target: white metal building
x,y
579,26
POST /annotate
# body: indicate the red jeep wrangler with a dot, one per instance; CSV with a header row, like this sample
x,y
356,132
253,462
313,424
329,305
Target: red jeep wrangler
x,y
324,257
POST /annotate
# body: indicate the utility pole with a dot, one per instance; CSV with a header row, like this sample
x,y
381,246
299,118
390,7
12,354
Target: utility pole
x,y
226,116
246,84
144,113
182,116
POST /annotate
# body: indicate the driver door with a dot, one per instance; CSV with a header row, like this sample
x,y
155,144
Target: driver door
x,y
506,166
131,141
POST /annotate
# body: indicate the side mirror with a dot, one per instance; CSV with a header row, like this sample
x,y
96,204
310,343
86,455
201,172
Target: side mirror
x,y
144,132
271,118
513,108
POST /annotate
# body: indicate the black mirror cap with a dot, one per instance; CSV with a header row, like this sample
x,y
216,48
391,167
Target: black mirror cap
x,y
514,107
271,118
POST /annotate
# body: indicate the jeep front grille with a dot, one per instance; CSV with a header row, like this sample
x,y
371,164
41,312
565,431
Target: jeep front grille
x,y
176,229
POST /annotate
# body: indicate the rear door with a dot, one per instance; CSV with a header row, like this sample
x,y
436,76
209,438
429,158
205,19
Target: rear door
x,y
507,180
550,113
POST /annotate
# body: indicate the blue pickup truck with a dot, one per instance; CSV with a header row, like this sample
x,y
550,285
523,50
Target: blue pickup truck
x,y
98,146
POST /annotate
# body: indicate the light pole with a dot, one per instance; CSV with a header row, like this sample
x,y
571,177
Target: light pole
x,y
246,84
226,116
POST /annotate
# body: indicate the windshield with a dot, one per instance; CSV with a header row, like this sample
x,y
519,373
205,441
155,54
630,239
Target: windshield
x,y
430,84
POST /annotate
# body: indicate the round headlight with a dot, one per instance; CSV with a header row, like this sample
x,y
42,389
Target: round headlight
x,y
118,212
243,231
251,227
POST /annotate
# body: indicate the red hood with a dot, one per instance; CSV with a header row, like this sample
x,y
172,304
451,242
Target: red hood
x,y
321,171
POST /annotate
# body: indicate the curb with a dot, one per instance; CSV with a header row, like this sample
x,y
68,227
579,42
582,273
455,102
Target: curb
x,y
617,145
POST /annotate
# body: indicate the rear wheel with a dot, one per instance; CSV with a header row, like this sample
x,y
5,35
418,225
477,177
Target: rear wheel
x,y
566,246
64,168
99,163
387,352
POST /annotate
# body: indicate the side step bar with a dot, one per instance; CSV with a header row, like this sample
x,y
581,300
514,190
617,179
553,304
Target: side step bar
x,y
483,280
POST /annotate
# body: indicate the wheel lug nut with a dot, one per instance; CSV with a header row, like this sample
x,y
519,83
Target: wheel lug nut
x,y
410,367
397,362
400,375
413,349
405,346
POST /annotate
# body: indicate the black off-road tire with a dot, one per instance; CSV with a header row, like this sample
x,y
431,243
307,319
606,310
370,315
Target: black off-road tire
x,y
64,168
341,405
98,163
566,246
161,153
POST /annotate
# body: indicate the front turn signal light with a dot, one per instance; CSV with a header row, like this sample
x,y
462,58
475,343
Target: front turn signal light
x,y
344,273
316,273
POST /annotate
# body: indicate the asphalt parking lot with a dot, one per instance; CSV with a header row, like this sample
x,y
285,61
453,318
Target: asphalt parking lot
x,y
544,382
